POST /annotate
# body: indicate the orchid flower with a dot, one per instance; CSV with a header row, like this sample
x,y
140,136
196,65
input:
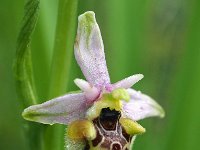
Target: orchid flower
x,y
103,115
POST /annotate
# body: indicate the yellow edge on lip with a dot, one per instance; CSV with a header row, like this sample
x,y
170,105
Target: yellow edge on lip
x,y
131,127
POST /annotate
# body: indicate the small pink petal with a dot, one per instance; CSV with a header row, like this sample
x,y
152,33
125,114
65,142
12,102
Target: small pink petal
x,y
90,91
128,82
63,110
82,84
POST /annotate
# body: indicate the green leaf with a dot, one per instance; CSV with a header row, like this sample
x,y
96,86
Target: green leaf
x,y
24,74
63,47
23,65
60,68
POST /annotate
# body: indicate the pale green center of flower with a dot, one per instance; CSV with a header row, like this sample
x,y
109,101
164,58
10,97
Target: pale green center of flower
x,y
121,94
111,100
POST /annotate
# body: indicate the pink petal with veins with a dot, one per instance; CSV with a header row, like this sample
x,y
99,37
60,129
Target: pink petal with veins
x,y
141,106
89,51
63,110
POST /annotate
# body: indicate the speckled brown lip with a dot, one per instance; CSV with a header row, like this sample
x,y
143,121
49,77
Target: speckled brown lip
x,y
110,134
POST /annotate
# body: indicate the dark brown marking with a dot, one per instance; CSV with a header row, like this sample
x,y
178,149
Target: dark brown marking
x,y
98,138
108,118
87,146
126,135
116,146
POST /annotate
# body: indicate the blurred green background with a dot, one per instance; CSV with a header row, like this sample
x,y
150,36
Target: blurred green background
x,y
158,38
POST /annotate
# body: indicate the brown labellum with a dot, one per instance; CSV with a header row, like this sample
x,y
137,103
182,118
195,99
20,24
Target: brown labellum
x,y
110,134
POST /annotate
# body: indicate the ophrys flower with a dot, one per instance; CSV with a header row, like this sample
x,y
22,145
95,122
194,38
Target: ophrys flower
x,y
102,115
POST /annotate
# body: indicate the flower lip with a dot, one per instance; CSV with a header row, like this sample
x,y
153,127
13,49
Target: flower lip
x,y
108,114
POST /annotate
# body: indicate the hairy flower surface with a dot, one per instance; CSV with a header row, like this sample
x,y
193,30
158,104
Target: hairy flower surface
x,y
103,115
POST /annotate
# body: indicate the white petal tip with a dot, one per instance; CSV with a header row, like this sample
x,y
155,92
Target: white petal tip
x,y
82,84
90,91
134,79
89,14
159,111
140,76
128,82
31,114
162,112
87,20
137,77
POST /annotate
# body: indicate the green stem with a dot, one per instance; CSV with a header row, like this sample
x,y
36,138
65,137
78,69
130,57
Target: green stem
x,y
23,64
63,46
63,49
24,74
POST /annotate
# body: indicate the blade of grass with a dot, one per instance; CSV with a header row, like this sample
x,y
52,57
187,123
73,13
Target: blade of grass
x,y
22,65
24,74
42,43
63,46
184,126
62,54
